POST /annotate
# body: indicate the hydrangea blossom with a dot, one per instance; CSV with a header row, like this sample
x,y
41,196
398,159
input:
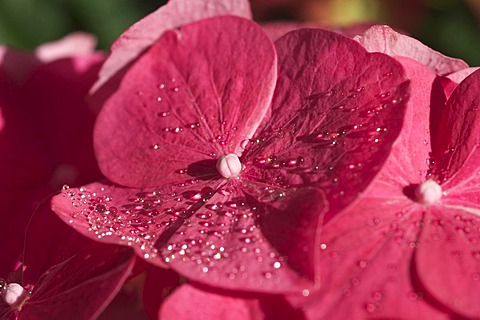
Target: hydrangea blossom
x,y
224,152
409,247
45,268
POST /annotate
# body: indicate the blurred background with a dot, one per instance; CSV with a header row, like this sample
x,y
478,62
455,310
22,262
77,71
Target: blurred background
x,y
449,26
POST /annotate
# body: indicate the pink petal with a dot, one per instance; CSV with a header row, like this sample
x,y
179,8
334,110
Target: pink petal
x,y
211,305
460,75
448,259
366,264
211,234
332,123
459,128
365,260
451,238
55,97
74,44
184,101
457,77
61,241
408,162
384,39
148,30
80,287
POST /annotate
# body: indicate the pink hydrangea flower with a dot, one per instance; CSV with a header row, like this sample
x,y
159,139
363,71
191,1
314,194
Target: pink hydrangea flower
x,y
62,275
410,247
45,141
225,151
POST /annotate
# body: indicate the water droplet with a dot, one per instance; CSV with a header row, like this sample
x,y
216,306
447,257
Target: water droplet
x,y
194,125
370,307
377,296
100,208
330,93
360,89
355,281
413,296
362,263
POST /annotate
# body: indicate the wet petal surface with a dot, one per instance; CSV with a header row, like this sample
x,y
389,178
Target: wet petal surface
x,y
332,123
186,102
368,259
211,233
448,260
460,129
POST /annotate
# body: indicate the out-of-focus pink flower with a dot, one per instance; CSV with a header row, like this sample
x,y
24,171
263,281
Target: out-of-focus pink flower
x,y
223,161
165,294
45,141
409,248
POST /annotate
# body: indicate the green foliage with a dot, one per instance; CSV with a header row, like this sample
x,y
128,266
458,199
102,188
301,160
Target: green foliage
x,y
28,23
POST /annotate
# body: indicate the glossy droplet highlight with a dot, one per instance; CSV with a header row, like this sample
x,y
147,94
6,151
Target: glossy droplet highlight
x,y
428,192
229,166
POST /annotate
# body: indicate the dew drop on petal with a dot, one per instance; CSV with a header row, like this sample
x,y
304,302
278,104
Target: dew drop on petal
x,y
362,264
370,307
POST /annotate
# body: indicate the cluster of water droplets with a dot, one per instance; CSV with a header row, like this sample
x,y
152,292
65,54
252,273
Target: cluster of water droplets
x,y
466,227
184,225
228,241
297,164
132,223
209,130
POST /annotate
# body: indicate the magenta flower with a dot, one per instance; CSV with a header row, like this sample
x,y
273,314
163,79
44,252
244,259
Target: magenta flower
x,y
409,248
223,160
62,274
45,141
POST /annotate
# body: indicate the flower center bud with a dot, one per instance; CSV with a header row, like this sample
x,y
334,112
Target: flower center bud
x,y
229,166
13,294
428,192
